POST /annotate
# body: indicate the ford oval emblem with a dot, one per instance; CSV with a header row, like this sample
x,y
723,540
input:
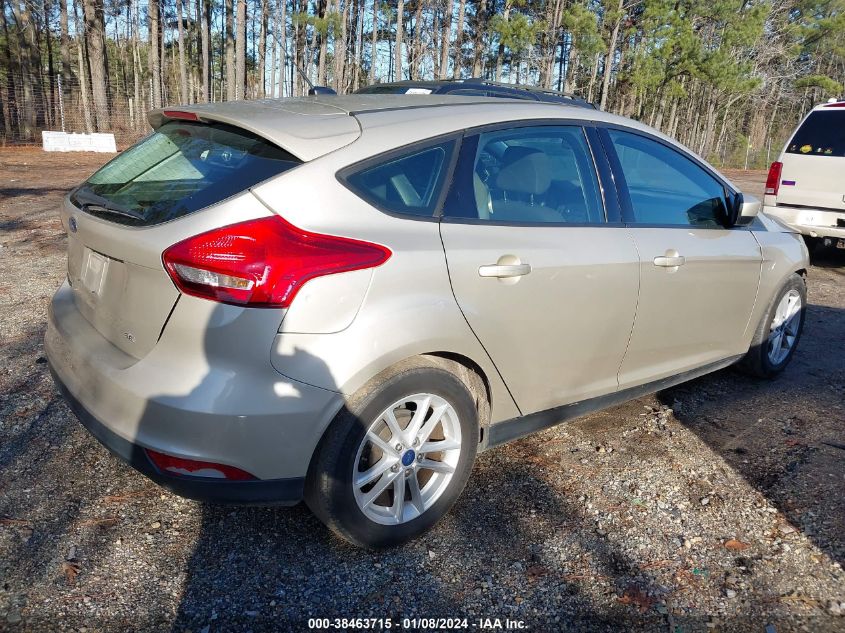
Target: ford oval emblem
x,y
72,224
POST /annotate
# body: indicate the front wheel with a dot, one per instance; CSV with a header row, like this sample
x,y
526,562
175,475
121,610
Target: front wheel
x,y
396,458
777,336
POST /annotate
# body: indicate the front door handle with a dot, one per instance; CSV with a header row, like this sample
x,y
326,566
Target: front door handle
x,y
504,271
670,259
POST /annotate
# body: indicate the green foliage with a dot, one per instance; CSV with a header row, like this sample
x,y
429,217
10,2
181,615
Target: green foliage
x,y
829,87
518,33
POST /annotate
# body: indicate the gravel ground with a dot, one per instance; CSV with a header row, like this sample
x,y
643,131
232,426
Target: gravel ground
x,y
714,506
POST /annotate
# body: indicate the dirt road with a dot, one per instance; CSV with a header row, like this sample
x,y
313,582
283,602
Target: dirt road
x,y
715,506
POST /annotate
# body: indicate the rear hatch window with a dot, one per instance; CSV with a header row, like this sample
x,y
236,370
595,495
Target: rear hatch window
x,y
179,169
821,134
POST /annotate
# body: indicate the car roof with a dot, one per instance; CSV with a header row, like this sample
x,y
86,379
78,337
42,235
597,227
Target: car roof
x,y
310,127
445,86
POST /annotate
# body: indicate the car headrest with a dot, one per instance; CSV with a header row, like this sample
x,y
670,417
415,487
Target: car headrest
x,y
526,170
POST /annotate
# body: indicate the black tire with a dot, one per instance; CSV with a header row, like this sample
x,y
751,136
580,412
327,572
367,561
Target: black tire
x,y
329,489
757,362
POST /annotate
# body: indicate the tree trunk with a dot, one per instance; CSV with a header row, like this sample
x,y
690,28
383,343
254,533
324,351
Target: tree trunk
x,y
83,84
51,71
500,51
459,40
282,30
608,58
374,44
26,111
400,19
340,51
478,43
326,9
8,90
359,42
183,69
262,49
231,81
240,51
93,13
205,35
274,29
445,39
155,60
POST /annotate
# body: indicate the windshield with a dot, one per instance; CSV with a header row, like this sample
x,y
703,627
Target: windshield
x,y
821,134
180,168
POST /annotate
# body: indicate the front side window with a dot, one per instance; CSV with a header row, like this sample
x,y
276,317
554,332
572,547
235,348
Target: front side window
x,y
536,175
666,187
407,184
821,134
180,168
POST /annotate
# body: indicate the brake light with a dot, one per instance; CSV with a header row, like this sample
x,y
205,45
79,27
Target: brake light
x,y
773,179
181,115
263,263
195,468
838,104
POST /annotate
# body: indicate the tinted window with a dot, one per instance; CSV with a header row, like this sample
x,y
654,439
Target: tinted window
x,y
180,168
530,174
665,186
405,184
821,134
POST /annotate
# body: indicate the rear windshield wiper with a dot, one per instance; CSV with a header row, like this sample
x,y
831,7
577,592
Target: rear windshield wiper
x,y
90,201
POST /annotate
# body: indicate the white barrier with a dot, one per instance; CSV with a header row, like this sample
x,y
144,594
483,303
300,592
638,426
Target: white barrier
x,y
64,142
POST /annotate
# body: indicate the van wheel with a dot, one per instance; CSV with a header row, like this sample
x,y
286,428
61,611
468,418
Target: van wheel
x,y
777,336
396,458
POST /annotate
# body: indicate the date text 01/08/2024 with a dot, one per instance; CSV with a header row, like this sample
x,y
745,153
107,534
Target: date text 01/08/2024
x,y
417,624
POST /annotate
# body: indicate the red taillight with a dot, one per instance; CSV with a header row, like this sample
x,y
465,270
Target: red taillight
x,y
181,115
838,104
263,263
195,468
773,180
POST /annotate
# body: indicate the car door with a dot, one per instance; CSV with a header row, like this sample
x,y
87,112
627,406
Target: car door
x,y
547,285
698,278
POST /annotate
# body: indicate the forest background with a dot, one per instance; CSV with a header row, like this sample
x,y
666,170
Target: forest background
x,y
728,78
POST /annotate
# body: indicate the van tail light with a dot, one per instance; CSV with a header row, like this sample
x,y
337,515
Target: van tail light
x,y
195,468
263,263
773,180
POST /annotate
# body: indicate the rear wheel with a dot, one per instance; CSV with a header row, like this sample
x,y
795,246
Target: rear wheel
x,y
779,331
396,458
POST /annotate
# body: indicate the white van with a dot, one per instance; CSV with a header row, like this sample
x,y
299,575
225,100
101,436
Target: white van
x,y
806,186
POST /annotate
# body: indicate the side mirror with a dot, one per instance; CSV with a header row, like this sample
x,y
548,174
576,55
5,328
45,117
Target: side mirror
x,y
745,209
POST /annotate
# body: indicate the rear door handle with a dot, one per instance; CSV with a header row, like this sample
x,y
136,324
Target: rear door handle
x,y
670,259
504,271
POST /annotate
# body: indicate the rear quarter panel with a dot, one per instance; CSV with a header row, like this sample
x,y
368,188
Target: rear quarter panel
x,y
784,253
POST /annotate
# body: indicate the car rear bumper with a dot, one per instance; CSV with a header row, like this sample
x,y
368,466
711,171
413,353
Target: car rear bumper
x,y
273,491
810,222
193,400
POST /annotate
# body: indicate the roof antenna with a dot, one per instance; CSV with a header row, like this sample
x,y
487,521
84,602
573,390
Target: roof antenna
x,y
312,89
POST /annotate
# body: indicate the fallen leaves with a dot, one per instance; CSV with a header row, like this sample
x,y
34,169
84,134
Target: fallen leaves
x,y
735,545
129,495
71,569
637,597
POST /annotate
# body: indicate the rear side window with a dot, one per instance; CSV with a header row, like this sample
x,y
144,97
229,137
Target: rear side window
x,y
526,175
409,183
821,134
180,168
666,187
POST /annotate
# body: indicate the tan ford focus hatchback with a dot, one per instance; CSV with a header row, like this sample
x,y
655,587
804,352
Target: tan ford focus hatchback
x,y
345,299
